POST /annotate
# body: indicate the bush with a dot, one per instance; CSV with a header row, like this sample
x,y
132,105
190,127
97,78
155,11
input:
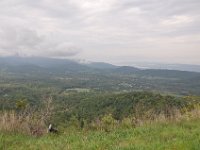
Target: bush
x,y
127,123
108,123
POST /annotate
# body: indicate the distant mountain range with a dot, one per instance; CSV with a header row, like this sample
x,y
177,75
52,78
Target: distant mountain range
x,y
73,65
180,67
101,65
144,66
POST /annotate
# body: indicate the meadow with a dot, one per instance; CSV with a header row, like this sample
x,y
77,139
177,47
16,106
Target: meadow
x,y
183,135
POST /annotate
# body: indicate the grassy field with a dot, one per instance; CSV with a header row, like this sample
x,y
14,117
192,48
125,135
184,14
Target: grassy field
x,y
184,135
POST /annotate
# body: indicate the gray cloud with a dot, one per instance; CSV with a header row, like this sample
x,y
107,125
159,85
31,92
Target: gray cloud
x,y
102,30
27,42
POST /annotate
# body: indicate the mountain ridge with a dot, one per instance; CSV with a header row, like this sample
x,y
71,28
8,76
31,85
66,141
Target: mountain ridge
x,y
46,62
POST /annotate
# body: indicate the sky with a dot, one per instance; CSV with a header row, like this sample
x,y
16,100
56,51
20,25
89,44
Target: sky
x,y
115,31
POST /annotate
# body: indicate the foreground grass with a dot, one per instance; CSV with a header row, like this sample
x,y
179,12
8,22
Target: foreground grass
x,y
184,135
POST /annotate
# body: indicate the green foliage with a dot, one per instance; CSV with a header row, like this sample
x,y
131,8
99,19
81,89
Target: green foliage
x,y
74,122
108,122
90,106
21,104
127,122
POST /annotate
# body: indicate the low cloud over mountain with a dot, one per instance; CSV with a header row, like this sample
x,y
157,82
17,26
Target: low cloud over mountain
x,y
102,30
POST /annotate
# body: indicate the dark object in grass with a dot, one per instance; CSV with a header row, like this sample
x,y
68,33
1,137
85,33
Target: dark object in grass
x,y
52,130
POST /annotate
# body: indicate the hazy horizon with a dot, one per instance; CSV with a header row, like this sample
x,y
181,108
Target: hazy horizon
x,y
112,31
139,64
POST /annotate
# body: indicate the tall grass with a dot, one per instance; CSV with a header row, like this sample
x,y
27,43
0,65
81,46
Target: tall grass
x,y
11,121
27,120
33,122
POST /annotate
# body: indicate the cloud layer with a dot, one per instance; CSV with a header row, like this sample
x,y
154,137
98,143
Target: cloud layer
x,y
102,30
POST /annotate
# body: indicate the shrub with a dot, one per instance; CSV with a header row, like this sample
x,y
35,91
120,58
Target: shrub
x,y
127,123
108,122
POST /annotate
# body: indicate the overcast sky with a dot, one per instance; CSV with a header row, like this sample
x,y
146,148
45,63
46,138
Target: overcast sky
x,y
116,31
